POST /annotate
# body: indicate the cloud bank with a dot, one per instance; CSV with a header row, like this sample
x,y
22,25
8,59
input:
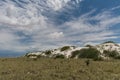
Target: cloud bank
x,y
25,27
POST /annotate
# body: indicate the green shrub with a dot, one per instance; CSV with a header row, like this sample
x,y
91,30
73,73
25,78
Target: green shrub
x,y
89,53
65,48
112,54
39,56
61,56
30,55
27,55
48,52
109,42
88,45
75,53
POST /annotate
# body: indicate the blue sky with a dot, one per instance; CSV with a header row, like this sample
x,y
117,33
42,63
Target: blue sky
x,y
34,25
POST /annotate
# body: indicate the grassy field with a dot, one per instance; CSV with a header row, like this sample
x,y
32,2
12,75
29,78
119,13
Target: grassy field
x,y
58,69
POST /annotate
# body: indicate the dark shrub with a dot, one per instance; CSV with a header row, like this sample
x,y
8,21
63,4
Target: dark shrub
x,y
88,45
112,54
109,42
48,52
61,56
106,52
75,53
89,53
39,56
65,48
30,55
26,55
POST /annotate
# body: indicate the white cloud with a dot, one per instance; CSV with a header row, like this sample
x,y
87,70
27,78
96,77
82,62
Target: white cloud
x,y
10,41
110,21
56,35
59,4
40,32
14,15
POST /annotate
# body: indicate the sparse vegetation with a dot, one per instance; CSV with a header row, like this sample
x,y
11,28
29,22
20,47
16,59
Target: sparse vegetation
x,y
65,48
112,54
58,69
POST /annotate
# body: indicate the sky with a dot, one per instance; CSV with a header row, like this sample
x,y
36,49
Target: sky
x,y
34,25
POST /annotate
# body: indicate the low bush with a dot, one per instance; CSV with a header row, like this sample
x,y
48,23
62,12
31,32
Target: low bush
x,y
88,45
112,54
61,56
92,53
65,48
48,52
75,53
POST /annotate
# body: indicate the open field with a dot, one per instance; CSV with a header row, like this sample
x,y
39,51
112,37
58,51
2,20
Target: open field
x,y
58,69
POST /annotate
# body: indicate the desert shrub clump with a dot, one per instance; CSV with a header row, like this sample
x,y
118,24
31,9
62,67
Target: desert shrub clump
x,y
112,54
65,48
48,52
88,45
60,56
75,53
92,53
109,42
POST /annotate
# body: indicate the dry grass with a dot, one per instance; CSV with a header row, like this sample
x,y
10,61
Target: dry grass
x,y
58,69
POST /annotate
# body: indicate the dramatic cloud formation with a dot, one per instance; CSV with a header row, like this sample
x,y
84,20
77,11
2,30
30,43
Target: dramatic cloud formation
x,y
25,25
